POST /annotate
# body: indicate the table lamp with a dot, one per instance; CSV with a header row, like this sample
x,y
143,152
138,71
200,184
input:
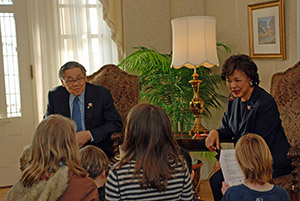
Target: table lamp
x,y
194,45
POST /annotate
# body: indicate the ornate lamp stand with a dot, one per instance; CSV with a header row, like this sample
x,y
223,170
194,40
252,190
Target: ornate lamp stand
x,y
197,106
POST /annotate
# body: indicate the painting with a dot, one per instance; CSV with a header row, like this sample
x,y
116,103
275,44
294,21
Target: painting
x,y
266,30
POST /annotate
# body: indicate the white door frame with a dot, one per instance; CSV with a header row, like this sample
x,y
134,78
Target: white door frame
x,y
16,132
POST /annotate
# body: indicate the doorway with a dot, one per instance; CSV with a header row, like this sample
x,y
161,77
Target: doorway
x,y
16,94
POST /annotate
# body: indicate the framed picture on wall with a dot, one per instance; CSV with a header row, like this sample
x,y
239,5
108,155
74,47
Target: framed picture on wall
x,y
266,30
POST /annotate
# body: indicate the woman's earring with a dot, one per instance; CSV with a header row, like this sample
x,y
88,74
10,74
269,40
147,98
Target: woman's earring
x,y
251,83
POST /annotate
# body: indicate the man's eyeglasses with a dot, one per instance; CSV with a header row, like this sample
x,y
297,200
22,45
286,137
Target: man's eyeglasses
x,y
71,82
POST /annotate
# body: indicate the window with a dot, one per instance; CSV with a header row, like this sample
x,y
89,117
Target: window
x,y
6,2
85,35
11,107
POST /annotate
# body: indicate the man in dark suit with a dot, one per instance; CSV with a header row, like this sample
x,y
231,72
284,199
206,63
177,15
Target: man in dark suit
x,y
90,106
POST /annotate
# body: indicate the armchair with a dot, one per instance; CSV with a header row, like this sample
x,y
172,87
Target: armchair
x,y
125,92
285,88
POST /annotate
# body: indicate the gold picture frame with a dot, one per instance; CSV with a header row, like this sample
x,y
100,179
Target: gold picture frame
x,y
267,30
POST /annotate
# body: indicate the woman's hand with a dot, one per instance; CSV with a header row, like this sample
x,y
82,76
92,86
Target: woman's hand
x,y
212,139
224,188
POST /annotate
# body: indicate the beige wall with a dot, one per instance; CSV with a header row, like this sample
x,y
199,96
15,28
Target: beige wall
x,y
147,23
233,30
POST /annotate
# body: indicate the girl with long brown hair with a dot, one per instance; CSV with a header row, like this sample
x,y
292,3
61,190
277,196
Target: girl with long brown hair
x,y
150,167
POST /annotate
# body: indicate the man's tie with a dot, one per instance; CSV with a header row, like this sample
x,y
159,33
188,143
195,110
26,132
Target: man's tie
x,y
76,114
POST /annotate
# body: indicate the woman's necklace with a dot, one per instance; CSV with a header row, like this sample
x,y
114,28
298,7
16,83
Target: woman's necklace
x,y
248,95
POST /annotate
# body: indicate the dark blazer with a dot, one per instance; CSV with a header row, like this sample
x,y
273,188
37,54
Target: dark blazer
x,y
101,116
258,115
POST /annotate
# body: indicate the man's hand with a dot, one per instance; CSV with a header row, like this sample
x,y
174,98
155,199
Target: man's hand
x,y
83,137
212,139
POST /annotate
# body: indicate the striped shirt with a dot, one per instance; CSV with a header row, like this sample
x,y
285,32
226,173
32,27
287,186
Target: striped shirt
x,y
121,186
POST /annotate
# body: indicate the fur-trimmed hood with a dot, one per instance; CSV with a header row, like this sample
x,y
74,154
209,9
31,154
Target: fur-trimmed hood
x,y
45,190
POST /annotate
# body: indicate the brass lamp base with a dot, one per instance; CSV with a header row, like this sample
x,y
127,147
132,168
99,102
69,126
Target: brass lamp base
x,y
198,127
198,131
197,106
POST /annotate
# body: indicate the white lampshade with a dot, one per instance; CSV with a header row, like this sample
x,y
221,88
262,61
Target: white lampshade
x,y
194,42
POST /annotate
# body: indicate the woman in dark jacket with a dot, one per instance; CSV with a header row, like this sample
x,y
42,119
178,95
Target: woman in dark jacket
x,y
250,109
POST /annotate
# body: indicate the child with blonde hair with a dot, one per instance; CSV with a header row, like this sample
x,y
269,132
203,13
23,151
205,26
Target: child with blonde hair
x,y
54,172
255,160
25,157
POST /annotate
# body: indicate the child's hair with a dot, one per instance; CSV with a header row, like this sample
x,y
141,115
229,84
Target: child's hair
x,y
255,159
94,160
150,142
25,157
53,144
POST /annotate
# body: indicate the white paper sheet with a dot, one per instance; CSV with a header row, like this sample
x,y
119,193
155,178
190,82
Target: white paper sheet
x,y
231,170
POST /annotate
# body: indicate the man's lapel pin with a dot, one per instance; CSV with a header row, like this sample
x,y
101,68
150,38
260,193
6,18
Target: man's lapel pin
x,y
89,105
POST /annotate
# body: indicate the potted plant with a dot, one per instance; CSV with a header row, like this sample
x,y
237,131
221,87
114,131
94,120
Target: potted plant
x,y
170,88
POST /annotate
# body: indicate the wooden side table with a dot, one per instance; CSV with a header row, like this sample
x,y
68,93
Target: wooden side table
x,y
192,144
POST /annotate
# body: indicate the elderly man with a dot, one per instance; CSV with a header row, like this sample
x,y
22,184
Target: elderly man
x,y
90,106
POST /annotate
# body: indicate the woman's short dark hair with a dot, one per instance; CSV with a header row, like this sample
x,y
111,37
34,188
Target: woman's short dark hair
x,y
69,65
243,63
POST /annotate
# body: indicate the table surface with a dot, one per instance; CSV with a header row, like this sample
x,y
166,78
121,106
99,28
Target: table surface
x,y
192,144
185,141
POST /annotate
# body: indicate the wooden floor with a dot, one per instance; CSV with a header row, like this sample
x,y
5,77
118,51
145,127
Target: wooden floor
x,y
3,192
205,191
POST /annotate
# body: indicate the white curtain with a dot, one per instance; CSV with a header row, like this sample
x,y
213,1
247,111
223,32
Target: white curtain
x,y
113,16
85,35
44,26
62,31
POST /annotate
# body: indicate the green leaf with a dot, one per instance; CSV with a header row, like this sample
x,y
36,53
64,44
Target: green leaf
x,y
169,88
